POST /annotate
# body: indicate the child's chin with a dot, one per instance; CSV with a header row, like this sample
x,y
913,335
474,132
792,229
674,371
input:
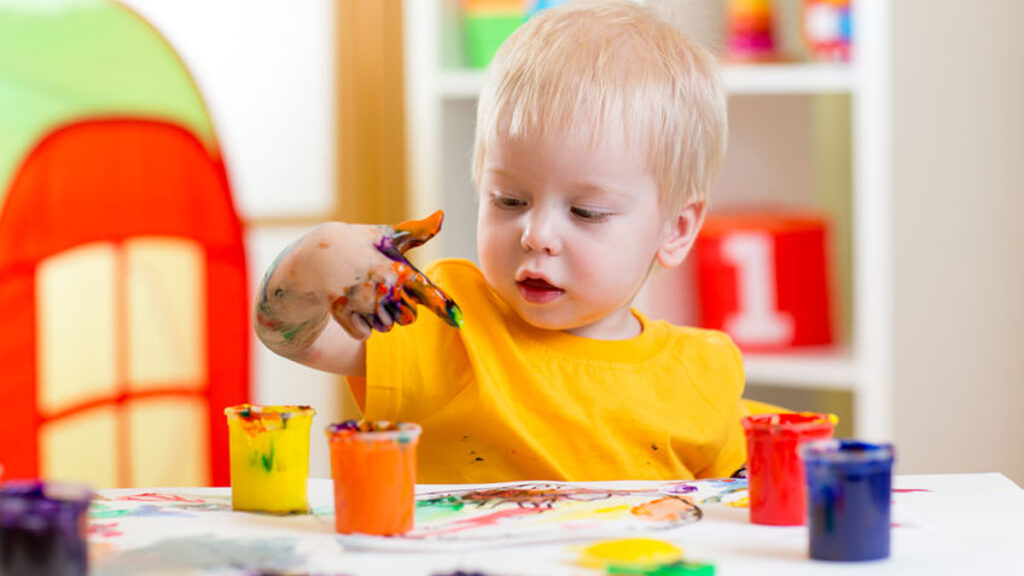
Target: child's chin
x,y
543,321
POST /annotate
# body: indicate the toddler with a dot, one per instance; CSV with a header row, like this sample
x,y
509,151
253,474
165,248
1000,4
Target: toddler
x,y
599,130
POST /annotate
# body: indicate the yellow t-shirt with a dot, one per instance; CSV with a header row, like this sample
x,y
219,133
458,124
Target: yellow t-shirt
x,y
500,400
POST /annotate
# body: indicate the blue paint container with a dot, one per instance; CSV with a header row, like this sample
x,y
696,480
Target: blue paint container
x,y
849,491
42,529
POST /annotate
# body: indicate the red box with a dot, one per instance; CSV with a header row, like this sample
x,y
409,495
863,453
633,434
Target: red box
x,y
764,279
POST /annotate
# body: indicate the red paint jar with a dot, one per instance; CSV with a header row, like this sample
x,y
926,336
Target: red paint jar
x,y
778,495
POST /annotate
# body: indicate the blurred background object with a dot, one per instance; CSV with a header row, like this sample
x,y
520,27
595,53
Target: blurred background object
x,y
828,29
486,24
751,30
122,266
274,113
763,276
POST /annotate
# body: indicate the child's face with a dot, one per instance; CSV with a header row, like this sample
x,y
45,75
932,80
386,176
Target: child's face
x,y
567,232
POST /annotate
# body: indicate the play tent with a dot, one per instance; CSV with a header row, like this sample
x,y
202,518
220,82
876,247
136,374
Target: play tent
x,y
123,313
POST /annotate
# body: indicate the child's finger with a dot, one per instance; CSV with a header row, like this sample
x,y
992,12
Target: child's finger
x,y
381,321
402,309
433,298
353,323
394,311
412,233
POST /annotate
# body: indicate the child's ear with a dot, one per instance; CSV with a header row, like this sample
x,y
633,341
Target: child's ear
x,y
680,235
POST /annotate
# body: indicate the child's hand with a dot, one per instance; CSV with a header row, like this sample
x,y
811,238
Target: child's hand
x,y
356,274
388,287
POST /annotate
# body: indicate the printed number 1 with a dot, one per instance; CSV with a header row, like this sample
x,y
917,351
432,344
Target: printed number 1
x,y
757,319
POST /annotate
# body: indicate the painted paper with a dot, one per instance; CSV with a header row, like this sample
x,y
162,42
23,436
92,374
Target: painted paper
x,y
522,513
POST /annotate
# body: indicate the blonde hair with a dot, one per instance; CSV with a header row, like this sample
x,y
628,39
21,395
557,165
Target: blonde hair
x,y
612,64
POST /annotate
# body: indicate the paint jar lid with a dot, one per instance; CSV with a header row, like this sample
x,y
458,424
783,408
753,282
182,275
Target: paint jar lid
x,y
248,411
373,430
37,504
846,450
269,418
638,555
786,424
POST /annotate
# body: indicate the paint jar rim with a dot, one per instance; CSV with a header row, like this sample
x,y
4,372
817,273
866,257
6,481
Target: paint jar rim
x,y
846,450
789,423
373,431
21,499
255,411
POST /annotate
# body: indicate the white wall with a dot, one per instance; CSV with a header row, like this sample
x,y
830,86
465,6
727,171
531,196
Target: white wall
x,y
266,71
958,128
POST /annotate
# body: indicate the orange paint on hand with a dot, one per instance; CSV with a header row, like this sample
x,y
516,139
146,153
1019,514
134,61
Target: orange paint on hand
x,y
412,233
374,478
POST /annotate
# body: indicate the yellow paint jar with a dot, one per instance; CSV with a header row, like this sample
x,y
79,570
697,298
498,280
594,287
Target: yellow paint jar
x,y
269,448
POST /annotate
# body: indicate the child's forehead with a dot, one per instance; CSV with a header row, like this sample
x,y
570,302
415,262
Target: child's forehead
x,y
580,125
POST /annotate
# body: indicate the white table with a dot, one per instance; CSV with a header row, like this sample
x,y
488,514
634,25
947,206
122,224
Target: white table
x,y
945,524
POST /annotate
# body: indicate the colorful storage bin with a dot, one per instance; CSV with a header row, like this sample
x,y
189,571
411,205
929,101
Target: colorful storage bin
x,y
485,26
764,279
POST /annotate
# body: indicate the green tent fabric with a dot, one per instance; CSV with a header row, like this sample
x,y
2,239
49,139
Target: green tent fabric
x,y
69,60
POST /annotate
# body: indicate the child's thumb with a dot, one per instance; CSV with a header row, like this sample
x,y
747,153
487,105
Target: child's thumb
x,y
412,233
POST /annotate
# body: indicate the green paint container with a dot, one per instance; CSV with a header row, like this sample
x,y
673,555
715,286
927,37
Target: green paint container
x,y
484,32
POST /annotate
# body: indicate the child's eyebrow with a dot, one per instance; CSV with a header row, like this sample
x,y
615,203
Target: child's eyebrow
x,y
592,189
498,172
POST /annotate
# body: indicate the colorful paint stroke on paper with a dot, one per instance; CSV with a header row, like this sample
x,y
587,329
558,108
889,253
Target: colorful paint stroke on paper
x,y
523,513
195,531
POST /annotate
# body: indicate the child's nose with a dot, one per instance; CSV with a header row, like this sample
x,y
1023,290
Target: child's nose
x,y
540,233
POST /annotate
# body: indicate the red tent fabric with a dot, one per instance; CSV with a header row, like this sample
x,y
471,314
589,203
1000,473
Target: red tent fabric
x,y
109,180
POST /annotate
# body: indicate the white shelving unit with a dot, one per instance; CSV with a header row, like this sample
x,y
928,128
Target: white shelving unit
x,y
456,84
441,99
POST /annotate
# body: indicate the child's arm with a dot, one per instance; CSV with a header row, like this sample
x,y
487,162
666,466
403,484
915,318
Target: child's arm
x,y
355,274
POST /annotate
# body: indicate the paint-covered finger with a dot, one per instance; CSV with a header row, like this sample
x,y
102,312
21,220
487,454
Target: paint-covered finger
x,y
353,323
348,310
427,294
412,233
405,311
389,313
381,322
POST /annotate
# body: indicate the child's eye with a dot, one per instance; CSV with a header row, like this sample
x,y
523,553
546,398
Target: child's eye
x,y
507,202
588,215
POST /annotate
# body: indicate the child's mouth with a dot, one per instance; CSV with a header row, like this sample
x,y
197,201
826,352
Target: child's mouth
x,y
538,290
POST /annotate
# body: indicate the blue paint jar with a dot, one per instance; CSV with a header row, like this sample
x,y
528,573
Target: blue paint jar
x,y
849,494
43,529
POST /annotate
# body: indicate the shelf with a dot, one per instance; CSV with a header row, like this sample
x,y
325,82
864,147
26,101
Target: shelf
x,y
464,84
824,369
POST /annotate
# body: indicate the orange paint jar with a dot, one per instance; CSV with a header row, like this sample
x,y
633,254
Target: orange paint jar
x,y
374,469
